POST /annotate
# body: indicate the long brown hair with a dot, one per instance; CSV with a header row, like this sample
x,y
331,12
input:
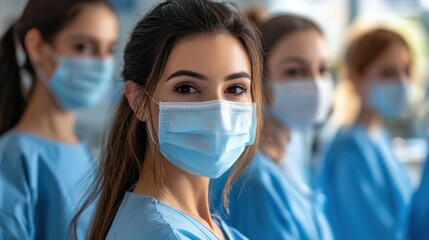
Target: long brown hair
x,y
145,56
274,136
49,17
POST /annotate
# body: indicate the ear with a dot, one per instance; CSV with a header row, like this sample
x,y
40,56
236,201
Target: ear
x,y
34,45
130,90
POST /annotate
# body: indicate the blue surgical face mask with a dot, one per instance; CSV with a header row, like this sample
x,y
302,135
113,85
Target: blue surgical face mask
x,y
301,103
389,99
78,83
205,138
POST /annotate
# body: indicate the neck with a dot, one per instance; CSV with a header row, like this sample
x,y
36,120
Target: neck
x,y
369,119
43,117
181,190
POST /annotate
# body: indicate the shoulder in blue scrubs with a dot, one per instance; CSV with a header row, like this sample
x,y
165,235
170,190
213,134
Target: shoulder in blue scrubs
x,y
269,202
419,215
366,188
144,217
41,183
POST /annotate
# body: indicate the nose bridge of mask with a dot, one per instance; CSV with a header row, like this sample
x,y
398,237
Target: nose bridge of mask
x,y
298,87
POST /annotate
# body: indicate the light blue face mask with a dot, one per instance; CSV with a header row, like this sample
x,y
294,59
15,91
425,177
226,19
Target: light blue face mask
x,y
78,83
205,138
301,103
389,99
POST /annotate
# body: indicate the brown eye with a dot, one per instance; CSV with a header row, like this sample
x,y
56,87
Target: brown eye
x,y
83,48
236,90
293,73
186,89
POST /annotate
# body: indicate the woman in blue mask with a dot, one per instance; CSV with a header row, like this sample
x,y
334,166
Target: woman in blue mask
x,y
190,110
56,58
366,187
271,199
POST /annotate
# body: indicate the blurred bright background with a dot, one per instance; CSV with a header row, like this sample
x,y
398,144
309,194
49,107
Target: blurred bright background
x,y
339,19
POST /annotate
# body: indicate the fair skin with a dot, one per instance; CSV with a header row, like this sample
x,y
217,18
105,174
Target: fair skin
x,y
300,56
198,69
393,64
93,33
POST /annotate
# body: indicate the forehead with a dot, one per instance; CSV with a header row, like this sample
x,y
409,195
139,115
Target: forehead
x,y
216,55
93,20
395,54
307,44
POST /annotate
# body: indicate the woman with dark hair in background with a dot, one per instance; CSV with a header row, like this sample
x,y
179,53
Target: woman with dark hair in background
x,y
55,59
271,199
190,110
367,189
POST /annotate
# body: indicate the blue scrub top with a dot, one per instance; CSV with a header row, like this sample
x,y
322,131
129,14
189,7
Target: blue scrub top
x,y
144,217
367,189
299,154
269,202
418,227
40,186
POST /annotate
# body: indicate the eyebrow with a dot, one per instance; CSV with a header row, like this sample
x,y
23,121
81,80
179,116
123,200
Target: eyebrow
x,y
238,75
199,76
187,73
86,37
294,59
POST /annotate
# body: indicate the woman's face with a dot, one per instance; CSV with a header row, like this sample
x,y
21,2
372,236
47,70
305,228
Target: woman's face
x,y
392,65
205,68
303,55
93,33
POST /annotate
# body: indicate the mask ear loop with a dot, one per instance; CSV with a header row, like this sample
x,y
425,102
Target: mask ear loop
x,y
43,76
149,126
151,135
26,81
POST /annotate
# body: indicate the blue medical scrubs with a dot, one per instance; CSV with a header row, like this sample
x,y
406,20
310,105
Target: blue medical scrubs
x,y
418,225
144,217
299,153
366,188
270,201
41,182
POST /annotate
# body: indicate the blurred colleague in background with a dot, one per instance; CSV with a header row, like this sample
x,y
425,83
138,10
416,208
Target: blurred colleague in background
x,y
367,189
271,199
56,58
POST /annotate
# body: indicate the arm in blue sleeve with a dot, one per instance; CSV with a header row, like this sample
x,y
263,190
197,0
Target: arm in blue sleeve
x,y
16,198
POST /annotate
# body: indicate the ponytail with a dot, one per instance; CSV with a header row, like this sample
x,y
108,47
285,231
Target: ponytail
x,y
12,100
119,170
